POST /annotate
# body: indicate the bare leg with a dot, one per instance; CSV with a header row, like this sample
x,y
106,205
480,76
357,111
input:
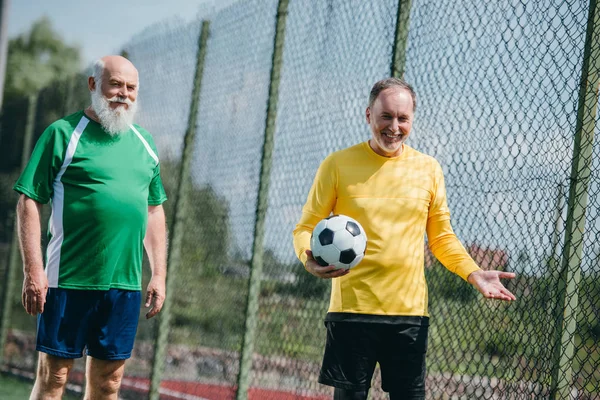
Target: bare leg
x,y
103,378
51,377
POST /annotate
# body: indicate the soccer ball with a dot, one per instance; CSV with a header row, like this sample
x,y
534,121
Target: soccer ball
x,y
338,240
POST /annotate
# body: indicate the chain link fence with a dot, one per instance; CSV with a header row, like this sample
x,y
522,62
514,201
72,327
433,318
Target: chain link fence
x,y
246,101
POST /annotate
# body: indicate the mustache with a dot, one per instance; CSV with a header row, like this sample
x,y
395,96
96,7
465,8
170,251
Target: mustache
x,y
119,99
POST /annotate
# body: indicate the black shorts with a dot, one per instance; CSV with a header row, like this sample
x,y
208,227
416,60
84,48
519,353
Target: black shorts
x,y
353,349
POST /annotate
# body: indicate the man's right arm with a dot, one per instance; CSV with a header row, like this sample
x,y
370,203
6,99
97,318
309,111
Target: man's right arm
x,y
35,282
319,204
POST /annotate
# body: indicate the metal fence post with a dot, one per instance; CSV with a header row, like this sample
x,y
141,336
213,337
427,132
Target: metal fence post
x,y
570,274
177,226
256,264
400,39
14,257
558,227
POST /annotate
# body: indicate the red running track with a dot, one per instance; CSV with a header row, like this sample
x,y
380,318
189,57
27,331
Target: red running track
x,y
186,390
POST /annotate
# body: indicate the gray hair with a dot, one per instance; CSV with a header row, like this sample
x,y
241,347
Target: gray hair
x,y
388,83
97,72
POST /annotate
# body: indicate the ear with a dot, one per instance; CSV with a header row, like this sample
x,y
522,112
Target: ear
x,y
368,115
91,83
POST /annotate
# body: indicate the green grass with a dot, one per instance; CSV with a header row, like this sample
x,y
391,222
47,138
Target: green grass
x,y
12,388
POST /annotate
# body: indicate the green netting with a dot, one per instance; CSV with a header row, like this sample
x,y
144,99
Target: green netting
x,y
498,90
223,191
333,54
166,78
587,358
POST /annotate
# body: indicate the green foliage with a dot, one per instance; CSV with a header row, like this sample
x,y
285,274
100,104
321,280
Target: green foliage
x,y
200,319
206,233
292,326
309,286
37,58
305,285
206,238
8,202
201,275
588,321
445,285
291,279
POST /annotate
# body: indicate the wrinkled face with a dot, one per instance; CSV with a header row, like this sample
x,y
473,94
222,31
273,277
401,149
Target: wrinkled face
x,y
119,84
390,119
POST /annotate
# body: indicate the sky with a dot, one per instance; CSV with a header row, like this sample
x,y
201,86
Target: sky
x,y
96,36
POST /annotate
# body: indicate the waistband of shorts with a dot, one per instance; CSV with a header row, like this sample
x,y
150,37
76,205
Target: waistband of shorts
x,y
377,319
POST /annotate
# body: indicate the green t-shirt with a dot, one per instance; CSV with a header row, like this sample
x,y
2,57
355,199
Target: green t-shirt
x,y
100,187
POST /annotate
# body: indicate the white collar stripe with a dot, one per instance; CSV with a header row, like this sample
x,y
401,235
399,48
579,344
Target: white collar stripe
x,y
146,145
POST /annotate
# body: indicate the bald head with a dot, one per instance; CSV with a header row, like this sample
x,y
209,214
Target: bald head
x,y
113,66
119,64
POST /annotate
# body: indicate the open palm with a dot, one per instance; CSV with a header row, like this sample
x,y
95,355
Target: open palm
x,y
488,283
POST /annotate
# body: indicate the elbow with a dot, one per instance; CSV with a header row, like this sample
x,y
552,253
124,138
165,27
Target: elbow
x,y
441,240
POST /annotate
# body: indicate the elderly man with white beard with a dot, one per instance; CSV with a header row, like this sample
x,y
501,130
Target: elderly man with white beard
x,y
101,174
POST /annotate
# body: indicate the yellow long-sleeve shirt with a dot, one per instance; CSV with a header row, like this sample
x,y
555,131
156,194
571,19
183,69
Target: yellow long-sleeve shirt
x,y
396,200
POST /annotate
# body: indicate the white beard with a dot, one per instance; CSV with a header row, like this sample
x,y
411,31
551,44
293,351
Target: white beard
x,y
113,121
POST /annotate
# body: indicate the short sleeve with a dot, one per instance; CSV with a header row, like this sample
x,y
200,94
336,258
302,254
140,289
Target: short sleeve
x,y
156,192
37,179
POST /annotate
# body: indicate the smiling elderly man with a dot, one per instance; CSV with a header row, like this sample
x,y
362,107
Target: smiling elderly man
x,y
378,310
101,174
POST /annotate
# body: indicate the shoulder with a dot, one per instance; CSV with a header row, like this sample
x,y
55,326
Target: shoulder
x,y
142,131
66,125
145,134
422,158
147,141
59,132
349,153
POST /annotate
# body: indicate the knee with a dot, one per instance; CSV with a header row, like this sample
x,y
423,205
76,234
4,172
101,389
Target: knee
x,y
53,375
55,379
109,384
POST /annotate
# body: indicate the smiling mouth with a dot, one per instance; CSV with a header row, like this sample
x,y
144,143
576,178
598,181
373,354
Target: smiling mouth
x,y
391,136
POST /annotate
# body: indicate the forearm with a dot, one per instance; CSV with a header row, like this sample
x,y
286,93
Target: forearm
x,y
155,241
30,234
446,247
302,234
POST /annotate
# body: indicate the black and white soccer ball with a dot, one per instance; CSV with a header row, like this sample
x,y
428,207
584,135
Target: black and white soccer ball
x,y
338,240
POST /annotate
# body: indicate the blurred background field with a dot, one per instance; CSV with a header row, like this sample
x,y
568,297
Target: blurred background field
x,y
13,388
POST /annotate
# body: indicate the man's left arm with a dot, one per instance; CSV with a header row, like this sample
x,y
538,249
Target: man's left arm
x,y
446,247
155,243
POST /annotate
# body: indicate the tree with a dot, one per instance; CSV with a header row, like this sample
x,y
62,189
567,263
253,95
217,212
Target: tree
x,y
446,286
37,58
206,235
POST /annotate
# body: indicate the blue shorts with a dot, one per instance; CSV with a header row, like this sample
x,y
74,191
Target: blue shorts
x,y
104,322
